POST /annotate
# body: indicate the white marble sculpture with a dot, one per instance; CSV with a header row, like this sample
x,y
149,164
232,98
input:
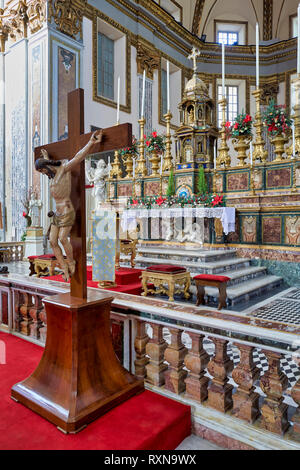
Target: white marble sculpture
x,y
35,206
97,177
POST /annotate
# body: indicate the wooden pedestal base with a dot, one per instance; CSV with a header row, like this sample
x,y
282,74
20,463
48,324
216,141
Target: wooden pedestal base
x,y
79,377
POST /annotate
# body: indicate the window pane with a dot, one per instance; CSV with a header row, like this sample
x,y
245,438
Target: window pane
x,y
164,99
232,103
105,66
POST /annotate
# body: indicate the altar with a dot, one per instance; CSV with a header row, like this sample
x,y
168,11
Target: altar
x,y
182,224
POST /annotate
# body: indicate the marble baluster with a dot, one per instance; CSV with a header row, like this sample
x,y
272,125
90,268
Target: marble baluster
x,y
140,343
196,362
219,391
43,328
296,418
155,349
26,320
175,353
34,314
273,383
246,400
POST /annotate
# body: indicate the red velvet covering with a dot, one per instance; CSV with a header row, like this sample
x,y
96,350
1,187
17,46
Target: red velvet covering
x,y
50,256
146,422
166,268
127,280
212,277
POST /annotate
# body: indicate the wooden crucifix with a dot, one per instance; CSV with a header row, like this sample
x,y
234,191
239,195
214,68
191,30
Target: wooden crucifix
x,y
113,138
79,376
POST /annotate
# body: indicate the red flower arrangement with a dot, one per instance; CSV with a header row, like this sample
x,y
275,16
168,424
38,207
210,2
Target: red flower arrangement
x,y
155,143
276,119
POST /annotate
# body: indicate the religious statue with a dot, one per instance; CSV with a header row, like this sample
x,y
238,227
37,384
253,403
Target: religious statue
x,y
97,177
35,206
59,174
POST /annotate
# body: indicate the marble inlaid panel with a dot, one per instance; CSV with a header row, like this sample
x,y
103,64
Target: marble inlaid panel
x,y
271,229
249,229
258,179
124,190
279,178
152,188
292,230
66,83
237,181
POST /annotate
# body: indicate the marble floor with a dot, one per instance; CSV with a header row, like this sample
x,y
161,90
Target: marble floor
x,y
196,443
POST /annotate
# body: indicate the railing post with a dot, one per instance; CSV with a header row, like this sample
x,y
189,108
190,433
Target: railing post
x,y
219,391
155,349
245,400
140,343
34,312
43,328
196,362
25,317
174,355
273,384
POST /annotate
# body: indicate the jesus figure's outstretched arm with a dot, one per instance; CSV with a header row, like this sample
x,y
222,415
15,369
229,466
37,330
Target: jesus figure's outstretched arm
x,y
83,153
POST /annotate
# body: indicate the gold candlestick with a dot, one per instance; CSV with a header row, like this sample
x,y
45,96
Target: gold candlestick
x,y
259,152
168,164
296,117
215,181
141,168
223,157
116,167
161,185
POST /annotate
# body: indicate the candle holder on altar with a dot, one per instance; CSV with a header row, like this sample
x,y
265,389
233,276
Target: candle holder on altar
x,y
116,167
154,164
128,165
259,151
168,164
141,168
290,150
223,157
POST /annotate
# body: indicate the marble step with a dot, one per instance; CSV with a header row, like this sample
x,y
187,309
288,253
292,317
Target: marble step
x,y
199,267
179,254
244,291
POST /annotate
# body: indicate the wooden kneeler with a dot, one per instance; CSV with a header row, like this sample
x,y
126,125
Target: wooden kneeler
x,y
204,280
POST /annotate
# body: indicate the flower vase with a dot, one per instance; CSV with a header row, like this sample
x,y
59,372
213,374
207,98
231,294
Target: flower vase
x,y
279,142
155,164
128,165
241,145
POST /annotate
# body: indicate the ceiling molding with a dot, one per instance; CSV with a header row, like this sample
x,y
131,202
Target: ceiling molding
x,y
197,16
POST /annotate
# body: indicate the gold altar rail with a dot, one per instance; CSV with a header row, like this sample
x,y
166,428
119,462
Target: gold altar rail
x,y
183,352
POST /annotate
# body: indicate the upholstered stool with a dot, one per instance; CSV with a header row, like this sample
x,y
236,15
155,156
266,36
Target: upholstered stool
x,y
39,264
215,281
127,247
162,274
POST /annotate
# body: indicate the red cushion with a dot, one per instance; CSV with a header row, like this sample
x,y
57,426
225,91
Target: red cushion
x,y
212,277
32,257
47,257
166,268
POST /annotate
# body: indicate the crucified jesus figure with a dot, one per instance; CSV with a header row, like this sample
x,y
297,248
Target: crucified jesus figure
x,y
59,173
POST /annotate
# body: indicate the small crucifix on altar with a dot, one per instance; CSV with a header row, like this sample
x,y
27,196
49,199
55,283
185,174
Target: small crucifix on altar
x,y
79,377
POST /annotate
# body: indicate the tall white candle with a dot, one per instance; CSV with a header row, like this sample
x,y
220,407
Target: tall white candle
x,y
118,103
298,54
168,85
257,55
143,94
294,141
215,157
223,70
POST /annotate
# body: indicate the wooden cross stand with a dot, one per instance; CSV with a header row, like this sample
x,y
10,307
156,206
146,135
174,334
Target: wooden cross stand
x,y
79,377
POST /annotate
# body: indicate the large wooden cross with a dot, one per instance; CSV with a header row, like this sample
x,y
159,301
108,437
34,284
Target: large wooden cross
x,y
113,138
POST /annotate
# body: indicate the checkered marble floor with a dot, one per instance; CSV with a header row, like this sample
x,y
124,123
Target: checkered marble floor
x,y
285,310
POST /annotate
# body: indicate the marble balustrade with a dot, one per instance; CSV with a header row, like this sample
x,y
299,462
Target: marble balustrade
x,y
166,345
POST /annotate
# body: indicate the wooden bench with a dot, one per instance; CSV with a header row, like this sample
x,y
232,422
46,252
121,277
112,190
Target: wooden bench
x,y
203,280
170,275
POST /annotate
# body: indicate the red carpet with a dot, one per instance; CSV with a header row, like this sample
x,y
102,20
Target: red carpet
x,y
127,280
145,422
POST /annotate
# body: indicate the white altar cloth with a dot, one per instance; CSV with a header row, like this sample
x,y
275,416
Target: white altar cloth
x,y
226,214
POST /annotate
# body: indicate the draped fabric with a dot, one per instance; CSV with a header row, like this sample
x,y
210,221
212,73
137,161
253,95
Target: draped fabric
x,y
226,214
104,245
